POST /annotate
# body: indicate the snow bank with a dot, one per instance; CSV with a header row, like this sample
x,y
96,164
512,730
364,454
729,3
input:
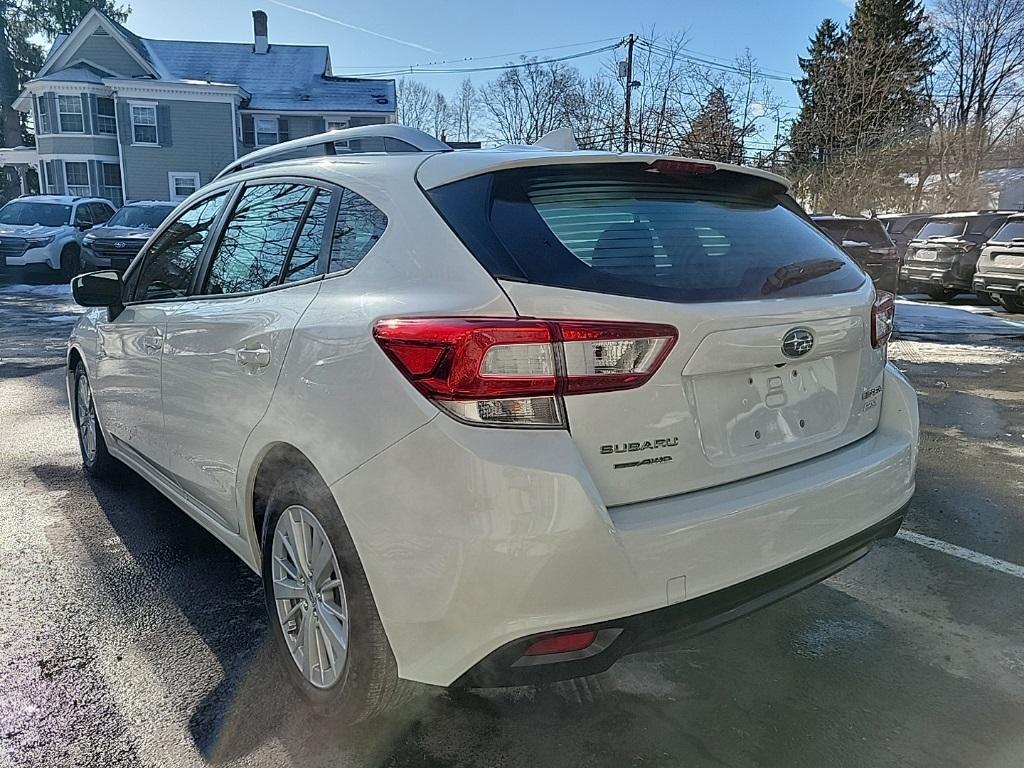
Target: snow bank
x,y
921,320
61,289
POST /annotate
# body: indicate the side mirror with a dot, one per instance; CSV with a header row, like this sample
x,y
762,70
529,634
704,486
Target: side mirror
x,y
98,289
82,226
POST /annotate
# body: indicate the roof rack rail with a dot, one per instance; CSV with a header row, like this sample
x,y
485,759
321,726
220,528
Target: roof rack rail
x,y
400,138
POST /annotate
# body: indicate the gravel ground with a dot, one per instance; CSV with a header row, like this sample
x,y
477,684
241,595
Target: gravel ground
x,y
130,637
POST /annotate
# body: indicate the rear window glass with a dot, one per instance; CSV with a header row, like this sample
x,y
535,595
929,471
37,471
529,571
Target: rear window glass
x,y
1011,230
868,233
943,229
622,229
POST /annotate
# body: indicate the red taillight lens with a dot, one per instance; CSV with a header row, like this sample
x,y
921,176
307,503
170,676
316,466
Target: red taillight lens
x,y
883,318
570,641
514,371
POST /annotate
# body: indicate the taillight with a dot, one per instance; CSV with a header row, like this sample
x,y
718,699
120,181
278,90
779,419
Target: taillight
x,y
514,372
883,317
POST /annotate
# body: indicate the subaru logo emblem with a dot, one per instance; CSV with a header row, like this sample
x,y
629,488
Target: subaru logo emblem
x,y
119,244
797,342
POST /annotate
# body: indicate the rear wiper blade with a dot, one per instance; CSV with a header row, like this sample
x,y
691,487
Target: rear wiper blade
x,y
799,272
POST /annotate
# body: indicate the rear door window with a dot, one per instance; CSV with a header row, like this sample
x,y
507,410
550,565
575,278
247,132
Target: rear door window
x,y
869,233
622,229
257,238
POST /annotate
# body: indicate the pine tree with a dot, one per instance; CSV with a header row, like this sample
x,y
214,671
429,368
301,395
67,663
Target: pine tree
x,y
713,133
889,50
813,133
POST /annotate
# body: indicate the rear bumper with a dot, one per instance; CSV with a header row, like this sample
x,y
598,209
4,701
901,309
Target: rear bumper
x,y
475,540
943,275
667,626
995,282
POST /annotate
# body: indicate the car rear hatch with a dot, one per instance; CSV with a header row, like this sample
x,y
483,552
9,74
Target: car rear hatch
x,y
939,241
774,362
1004,253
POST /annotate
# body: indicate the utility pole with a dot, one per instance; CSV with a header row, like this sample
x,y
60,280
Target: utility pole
x,y
627,130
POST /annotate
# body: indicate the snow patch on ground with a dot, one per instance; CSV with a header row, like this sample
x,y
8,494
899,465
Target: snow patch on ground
x,y
61,289
63,318
930,320
930,352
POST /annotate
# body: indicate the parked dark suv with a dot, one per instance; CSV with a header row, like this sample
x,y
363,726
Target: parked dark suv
x,y
941,260
868,244
117,242
903,227
1000,272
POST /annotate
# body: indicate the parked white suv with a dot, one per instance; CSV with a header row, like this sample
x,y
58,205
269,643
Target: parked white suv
x,y
44,231
500,416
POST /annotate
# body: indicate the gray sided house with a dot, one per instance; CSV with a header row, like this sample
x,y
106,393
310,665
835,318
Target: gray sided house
x,y
127,118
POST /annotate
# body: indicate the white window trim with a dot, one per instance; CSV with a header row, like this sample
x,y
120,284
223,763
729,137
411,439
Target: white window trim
x,y
172,176
80,113
256,131
88,179
156,122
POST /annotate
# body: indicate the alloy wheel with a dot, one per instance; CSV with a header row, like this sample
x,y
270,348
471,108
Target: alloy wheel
x,y
85,412
309,594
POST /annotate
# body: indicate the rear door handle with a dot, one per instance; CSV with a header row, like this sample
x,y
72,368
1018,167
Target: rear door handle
x,y
258,357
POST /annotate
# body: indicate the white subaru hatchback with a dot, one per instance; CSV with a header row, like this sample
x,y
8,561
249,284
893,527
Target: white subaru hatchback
x,y
496,417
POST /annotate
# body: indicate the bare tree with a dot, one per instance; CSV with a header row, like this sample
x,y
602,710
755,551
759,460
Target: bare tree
x,y
524,103
464,110
978,90
415,104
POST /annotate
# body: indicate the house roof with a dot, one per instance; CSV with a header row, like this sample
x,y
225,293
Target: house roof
x,y
287,77
293,78
80,73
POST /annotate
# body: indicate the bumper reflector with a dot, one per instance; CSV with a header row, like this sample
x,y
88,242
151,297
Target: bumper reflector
x,y
571,641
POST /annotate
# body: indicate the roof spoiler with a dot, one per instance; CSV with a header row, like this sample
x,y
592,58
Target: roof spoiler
x,y
325,144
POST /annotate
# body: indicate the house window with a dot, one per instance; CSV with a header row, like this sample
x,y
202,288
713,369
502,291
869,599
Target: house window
x,y
112,184
76,174
45,124
49,176
181,185
106,123
335,125
266,131
144,124
69,111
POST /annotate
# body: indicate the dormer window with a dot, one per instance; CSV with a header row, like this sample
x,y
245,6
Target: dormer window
x,y
69,113
266,131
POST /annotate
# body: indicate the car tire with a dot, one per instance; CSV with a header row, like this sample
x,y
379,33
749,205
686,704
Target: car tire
x,y
364,683
96,459
1014,304
70,262
985,299
939,294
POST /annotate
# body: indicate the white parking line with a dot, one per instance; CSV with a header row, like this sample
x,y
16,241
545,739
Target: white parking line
x,y
964,554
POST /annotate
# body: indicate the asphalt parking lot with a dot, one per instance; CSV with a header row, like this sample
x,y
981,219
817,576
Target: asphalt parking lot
x,y
130,637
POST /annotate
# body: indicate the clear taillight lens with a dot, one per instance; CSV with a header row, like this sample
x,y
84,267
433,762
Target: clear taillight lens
x,y
514,372
883,318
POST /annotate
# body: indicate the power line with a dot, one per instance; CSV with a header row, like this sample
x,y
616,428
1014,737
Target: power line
x,y
687,56
413,70
481,58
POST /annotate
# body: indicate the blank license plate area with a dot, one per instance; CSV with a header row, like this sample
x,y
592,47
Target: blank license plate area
x,y
748,413
926,254
1009,260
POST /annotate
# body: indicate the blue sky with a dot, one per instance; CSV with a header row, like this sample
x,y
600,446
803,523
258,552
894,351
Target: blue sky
x,y
407,32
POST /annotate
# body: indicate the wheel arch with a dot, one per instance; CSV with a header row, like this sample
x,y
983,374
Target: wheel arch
x,y
274,461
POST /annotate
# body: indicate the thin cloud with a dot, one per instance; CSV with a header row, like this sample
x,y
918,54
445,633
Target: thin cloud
x,y
341,23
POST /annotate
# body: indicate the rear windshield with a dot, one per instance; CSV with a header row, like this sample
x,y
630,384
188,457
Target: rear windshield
x,y
868,233
622,229
1011,230
953,228
45,214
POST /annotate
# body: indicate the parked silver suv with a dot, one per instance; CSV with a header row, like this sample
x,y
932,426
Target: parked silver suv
x,y
44,231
